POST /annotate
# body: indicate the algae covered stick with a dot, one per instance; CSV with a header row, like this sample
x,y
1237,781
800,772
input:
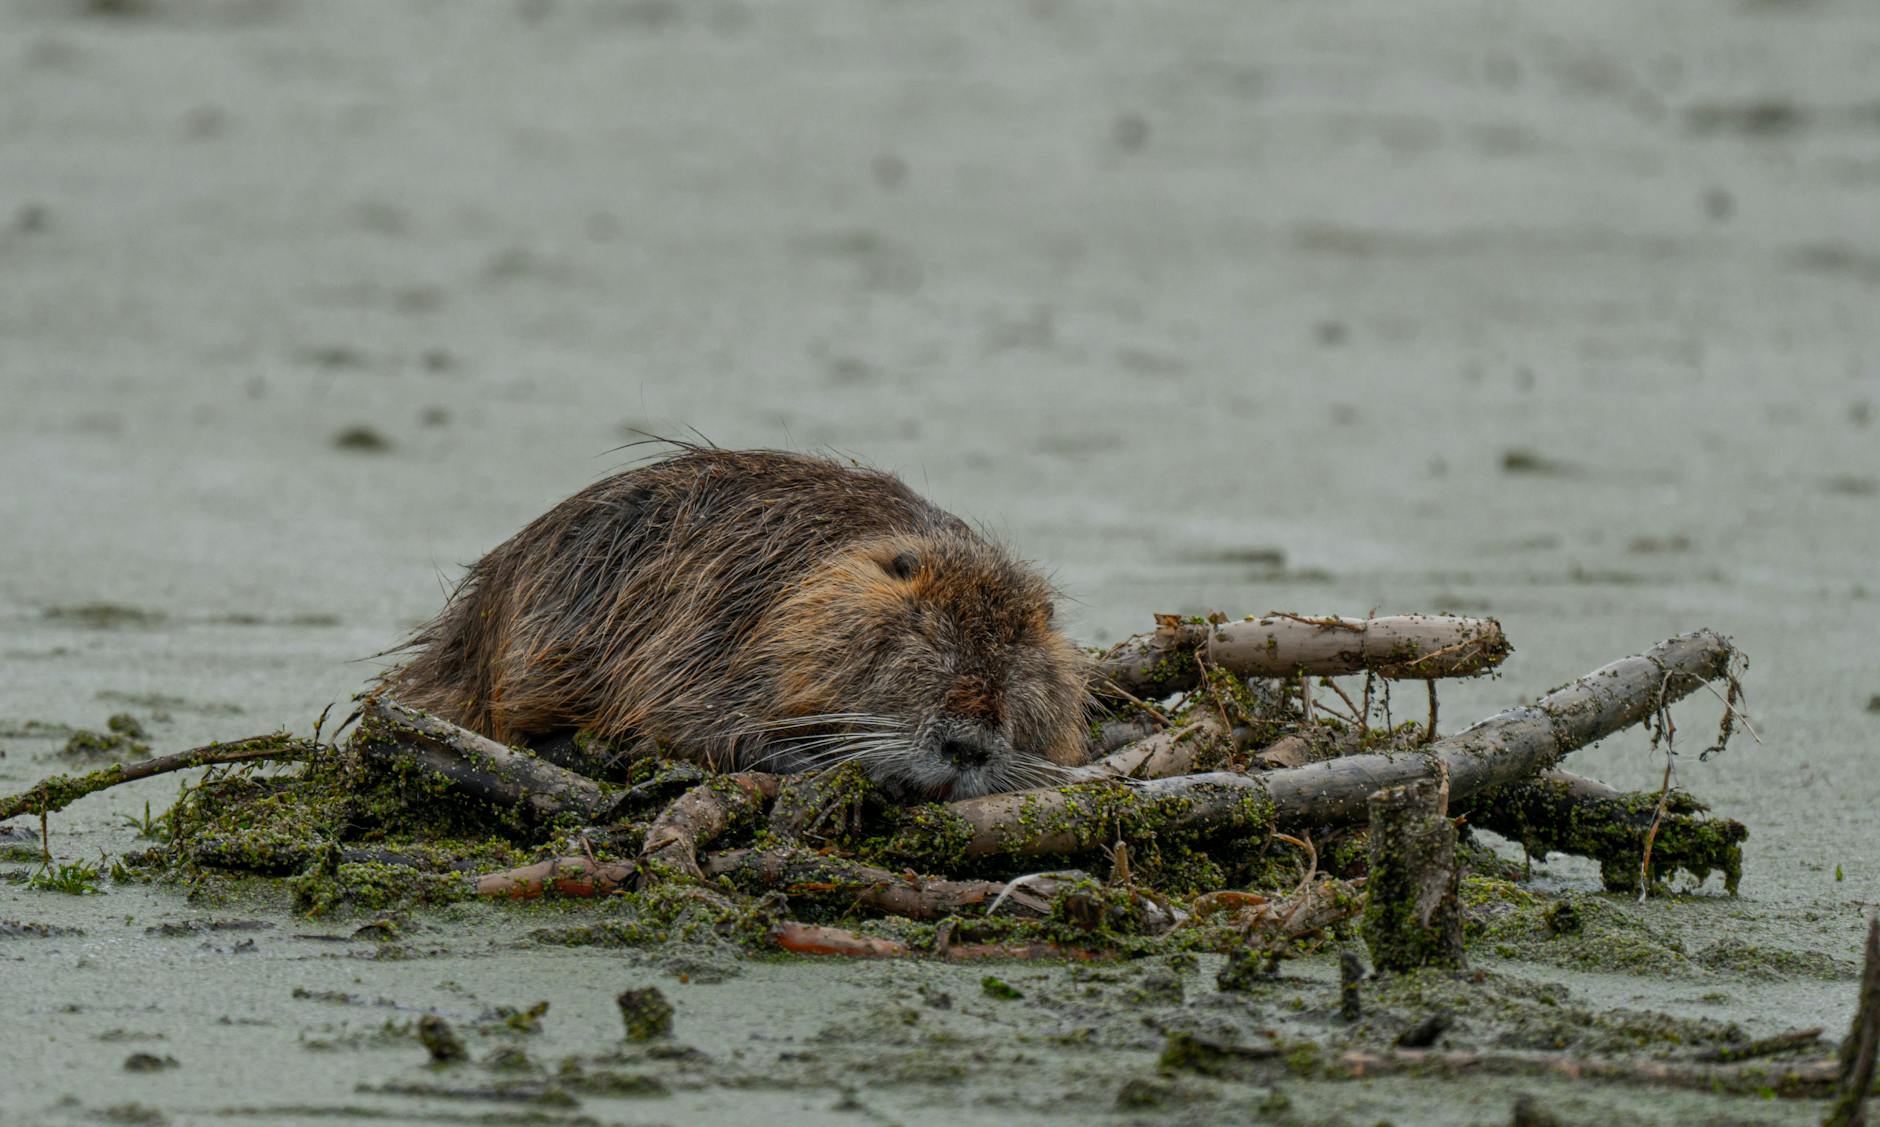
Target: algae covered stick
x,y
56,793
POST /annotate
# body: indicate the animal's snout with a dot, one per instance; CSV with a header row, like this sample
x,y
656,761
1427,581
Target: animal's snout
x,y
965,751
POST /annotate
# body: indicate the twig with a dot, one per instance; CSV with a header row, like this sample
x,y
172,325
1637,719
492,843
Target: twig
x,y
1329,622
56,793
1356,717
1666,731
1141,704
1429,732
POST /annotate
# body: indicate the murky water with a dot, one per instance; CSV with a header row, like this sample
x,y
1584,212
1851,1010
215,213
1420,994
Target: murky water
x,y
1561,313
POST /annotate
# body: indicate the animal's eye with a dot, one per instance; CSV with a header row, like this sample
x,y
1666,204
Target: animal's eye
x,y
902,566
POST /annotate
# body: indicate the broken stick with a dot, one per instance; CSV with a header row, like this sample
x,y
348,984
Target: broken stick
x,y
1412,918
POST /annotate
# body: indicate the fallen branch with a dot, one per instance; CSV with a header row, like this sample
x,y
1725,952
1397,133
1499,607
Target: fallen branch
x,y
394,737
1559,812
1415,646
51,795
1506,748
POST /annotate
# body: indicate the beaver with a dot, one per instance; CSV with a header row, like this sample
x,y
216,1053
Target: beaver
x,y
762,610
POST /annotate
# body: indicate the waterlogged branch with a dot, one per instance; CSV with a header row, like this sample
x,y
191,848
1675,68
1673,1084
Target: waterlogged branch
x,y
1414,646
56,793
1558,812
1506,748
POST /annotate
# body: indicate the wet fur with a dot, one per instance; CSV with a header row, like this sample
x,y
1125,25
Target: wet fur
x,y
762,609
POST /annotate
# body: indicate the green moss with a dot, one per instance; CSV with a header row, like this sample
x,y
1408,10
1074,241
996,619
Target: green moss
x,y
114,744
996,987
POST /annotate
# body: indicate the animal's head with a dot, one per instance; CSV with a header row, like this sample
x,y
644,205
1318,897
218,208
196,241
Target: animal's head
x,y
932,660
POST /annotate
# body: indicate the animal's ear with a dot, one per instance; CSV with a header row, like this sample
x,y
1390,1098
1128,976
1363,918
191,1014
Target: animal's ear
x,y
902,566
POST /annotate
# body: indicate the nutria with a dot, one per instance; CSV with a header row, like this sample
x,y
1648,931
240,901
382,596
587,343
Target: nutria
x,y
760,609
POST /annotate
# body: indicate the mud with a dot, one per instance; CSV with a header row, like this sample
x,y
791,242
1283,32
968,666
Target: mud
x,y
1539,311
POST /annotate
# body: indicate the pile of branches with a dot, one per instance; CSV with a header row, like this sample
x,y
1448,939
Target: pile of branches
x,y
1240,798
1232,781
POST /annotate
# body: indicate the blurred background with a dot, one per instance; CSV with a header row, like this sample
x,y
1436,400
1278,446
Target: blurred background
x,y
1564,313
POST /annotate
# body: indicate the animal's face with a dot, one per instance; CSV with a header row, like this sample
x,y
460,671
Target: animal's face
x,y
933,662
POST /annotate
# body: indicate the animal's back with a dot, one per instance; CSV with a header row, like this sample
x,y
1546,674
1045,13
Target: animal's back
x,y
616,611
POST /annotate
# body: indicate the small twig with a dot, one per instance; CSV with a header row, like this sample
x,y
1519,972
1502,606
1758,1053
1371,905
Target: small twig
x,y
1132,698
1667,732
1328,623
51,795
1305,695
1015,884
1429,732
1299,898
1356,716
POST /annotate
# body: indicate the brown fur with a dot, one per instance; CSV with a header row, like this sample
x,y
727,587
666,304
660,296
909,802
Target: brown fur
x,y
756,608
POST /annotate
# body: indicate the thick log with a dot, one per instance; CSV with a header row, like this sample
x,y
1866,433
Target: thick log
x,y
1412,918
1506,748
1414,646
394,736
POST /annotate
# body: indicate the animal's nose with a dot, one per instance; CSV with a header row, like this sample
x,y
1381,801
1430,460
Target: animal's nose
x,y
965,751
